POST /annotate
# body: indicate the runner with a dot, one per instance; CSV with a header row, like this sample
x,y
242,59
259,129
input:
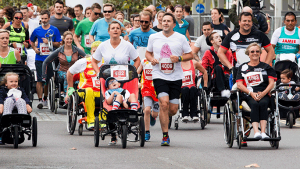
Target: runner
x,y
87,12
31,23
218,26
158,28
42,51
99,29
165,51
286,39
61,22
8,55
84,28
78,9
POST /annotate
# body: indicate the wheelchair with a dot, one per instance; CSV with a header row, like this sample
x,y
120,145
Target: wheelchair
x,y
14,126
236,110
125,121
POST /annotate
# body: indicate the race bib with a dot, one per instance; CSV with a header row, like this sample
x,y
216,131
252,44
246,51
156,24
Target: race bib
x,y
253,78
188,78
96,82
142,52
120,72
87,41
20,48
44,49
241,56
148,71
166,66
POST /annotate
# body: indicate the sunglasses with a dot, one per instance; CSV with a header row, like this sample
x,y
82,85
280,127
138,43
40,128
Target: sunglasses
x,y
107,11
146,22
96,13
18,18
111,82
253,51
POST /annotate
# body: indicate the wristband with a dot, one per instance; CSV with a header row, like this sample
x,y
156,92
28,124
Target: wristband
x,y
180,58
268,20
297,55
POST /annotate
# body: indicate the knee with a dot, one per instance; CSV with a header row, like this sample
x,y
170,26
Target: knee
x,y
147,110
173,110
164,105
132,97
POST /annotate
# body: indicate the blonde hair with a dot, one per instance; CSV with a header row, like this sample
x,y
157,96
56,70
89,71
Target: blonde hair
x,y
4,30
88,56
95,44
65,35
251,45
4,80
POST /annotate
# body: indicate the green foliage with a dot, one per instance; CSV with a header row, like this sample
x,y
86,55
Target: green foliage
x,y
43,4
134,6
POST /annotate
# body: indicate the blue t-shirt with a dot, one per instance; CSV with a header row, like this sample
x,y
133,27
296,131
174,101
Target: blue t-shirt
x,y
39,33
140,38
100,29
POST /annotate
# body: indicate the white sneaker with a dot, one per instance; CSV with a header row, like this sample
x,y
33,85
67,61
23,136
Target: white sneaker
x,y
195,118
40,105
225,93
264,135
185,119
257,135
45,104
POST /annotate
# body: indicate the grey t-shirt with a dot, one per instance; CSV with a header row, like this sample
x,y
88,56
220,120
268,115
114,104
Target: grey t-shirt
x,y
190,20
201,43
64,24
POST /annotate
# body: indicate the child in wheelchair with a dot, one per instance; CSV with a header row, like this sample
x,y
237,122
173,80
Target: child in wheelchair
x,y
288,92
117,96
13,96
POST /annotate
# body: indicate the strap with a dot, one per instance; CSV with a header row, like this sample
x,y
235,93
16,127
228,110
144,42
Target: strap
x,y
217,61
123,93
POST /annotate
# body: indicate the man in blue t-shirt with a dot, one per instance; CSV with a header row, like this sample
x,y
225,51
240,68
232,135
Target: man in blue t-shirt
x,y
42,51
100,27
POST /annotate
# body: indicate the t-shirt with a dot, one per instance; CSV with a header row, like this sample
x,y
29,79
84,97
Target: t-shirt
x,y
119,55
32,25
100,30
157,29
220,29
201,43
140,38
162,47
277,33
256,78
286,87
79,66
39,33
238,43
155,22
83,30
126,95
190,20
75,22
64,24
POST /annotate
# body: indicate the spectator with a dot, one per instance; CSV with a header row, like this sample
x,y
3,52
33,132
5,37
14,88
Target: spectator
x,y
189,19
78,9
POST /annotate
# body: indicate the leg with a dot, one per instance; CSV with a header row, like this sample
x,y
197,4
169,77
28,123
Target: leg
x,y
147,111
117,102
164,113
263,112
21,106
9,105
185,99
254,115
39,84
39,89
193,101
133,102
220,78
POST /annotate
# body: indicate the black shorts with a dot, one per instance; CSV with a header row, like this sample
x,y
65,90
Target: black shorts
x,y
171,88
39,69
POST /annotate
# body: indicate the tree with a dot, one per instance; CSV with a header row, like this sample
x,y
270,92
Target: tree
x,y
43,4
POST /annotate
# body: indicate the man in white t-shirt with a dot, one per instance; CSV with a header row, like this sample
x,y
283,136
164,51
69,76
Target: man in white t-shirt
x,y
165,51
200,45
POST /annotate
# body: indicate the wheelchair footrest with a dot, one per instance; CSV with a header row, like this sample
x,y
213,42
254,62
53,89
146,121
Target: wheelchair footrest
x,y
266,139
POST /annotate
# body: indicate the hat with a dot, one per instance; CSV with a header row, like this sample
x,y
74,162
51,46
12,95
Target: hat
x,y
107,80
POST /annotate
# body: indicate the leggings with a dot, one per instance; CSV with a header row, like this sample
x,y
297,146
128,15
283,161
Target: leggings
x,y
189,98
11,102
62,77
259,110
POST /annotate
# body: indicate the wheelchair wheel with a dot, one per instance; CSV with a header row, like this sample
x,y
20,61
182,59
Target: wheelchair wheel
x,y
291,119
228,126
80,129
16,136
124,135
239,140
96,132
55,106
72,115
34,132
202,122
51,94
176,125
142,131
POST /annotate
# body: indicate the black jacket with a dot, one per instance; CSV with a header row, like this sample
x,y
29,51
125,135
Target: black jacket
x,y
4,91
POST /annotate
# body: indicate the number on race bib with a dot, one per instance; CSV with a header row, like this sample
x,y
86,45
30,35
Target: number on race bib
x,y
119,73
167,66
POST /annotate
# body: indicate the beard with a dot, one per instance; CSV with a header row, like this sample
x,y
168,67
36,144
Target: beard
x,y
145,27
45,24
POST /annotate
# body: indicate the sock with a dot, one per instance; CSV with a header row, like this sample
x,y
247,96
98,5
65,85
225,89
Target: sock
x,y
116,105
147,132
165,134
45,98
134,105
40,99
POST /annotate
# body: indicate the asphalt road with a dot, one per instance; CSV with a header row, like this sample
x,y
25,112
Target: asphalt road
x,y
190,147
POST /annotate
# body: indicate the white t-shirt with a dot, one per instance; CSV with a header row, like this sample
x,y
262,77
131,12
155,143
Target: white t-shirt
x,y
277,33
32,25
30,58
201,43
79,66
120,54
161,46
155,23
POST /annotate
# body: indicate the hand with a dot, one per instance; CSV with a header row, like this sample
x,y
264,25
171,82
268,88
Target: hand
x,y
45,40
174,59
25,44
268,16
71,90
254,96
260,95
36,50
29,109
14,44
154,62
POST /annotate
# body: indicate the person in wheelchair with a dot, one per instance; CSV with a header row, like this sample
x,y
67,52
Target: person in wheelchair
x,y
286,91
13,96
220,73
118,96
256,79
189,90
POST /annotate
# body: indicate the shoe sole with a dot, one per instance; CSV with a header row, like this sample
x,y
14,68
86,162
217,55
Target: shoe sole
x,y
39,106
165,144
185,120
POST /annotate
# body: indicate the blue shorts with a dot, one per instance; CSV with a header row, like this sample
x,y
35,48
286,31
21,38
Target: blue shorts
x,y
39,69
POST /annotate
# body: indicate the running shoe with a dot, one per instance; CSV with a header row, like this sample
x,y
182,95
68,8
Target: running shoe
x,y
1,143
40,104
185,119
165,141
257,135
90,126
264,136
195,118
45,104
152,120
147,136
113,140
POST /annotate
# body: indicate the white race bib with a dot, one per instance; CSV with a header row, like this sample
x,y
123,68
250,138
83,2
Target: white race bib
x,y
120,72
96,82
188,78
87,41
148,71
44,49
253,78
166,66
142,52
20,48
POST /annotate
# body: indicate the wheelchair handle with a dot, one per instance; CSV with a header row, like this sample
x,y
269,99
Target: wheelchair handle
x,y
277,87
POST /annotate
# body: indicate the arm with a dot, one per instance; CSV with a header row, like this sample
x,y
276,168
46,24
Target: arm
x,y
188,35
76,40
202,70
232,14
36,50
195,50
80,52
270,55
6,25
140,69
137,62
110,99
69,79
17,55
95,65
267,90
244,89
268,22
223,58
91,38
56,44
